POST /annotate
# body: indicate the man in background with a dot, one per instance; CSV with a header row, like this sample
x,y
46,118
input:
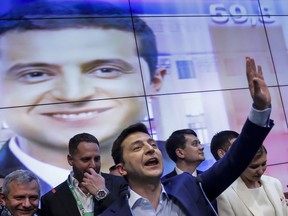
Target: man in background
x,y
221,143
185,149
87,190
20,193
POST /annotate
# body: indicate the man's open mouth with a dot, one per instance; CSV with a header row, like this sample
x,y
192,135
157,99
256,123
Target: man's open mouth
x,y
152,162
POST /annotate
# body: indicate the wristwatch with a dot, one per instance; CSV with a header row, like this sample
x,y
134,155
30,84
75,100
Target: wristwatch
x,y
101,194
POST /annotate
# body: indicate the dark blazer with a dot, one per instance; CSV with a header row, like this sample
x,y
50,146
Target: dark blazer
x,y
174,173
60,201
184,189
9,163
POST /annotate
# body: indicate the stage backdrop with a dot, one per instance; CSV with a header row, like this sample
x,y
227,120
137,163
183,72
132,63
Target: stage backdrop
x,y
55,85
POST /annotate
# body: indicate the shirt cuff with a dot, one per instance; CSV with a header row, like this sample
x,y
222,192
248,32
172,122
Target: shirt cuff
x,y
260,117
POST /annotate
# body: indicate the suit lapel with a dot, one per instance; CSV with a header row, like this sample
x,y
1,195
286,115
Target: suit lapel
x,y
108,182
242,191
69,205
272,194
118,208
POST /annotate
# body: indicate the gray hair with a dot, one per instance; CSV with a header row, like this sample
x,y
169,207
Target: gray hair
x,y
20,176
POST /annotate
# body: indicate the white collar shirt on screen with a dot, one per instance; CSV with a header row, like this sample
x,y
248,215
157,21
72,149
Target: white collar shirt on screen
x,y
46,170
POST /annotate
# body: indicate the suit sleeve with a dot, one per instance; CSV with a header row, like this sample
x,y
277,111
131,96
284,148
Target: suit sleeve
x,y
116,186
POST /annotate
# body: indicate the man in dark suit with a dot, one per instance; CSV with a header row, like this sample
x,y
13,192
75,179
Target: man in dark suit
x,y
185,149
138,158
87,191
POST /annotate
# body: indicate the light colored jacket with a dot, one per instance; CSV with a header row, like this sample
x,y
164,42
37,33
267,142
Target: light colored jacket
x,y
237,201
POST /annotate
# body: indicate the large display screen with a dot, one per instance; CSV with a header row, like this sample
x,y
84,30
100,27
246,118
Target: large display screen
x,y
98,74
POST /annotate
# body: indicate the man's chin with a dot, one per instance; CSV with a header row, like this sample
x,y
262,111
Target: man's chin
x,y
24,213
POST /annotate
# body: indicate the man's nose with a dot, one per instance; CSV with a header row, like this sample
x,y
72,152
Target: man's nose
x,y
149,149
72,85
201,147
93,164
26,203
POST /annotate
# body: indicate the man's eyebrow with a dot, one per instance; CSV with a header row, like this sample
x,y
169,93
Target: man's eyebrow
x,y
140,141
24,65
111,62
136,142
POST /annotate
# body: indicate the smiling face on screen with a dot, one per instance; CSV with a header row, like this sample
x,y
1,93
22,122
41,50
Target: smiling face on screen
x,y
72,78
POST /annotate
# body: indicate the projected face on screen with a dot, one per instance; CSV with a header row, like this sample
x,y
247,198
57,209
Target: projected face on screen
x,y
73,76
93,65
71,65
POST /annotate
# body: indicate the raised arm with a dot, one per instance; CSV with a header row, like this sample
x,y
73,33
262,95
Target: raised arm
x,y
225,171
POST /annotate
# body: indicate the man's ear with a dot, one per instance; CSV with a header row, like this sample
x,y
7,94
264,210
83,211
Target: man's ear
x,y
157,80
179,153
70,160
2,199
221,153
121,169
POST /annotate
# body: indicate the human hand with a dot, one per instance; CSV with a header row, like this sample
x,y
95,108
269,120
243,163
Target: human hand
x,y
93,181
257,86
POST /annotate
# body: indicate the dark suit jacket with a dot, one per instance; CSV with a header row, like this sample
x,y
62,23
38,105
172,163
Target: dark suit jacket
x,y
174,173
9,163
60,201
184,189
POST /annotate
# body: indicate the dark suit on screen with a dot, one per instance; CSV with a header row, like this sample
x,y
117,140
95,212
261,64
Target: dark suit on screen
x,y
61,202
184,188
9,163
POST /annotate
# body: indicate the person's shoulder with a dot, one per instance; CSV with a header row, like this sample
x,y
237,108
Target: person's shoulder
x,y
169,175
266,178
110,176
183,179
1,208
58,189
4,211
114,178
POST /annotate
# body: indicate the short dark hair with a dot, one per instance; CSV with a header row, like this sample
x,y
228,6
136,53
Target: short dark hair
x,y
46,15
112,168
20,176
177,140
221,140
117,149
82,137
